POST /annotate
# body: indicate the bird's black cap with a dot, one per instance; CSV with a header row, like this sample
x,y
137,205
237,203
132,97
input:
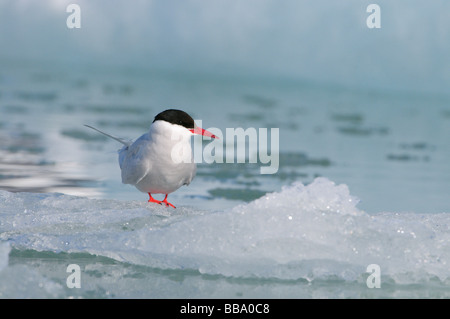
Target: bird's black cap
x,y
176,117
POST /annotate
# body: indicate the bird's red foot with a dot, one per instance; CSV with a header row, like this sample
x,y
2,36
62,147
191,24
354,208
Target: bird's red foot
x,y
152,200
167,203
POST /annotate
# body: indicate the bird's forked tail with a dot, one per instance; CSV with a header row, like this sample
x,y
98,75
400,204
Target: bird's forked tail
x,y
126,143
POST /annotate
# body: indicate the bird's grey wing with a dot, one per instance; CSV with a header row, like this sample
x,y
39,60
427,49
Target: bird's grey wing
x,y
134,163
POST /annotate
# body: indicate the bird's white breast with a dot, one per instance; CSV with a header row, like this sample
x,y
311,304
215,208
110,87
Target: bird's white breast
x,y
159,161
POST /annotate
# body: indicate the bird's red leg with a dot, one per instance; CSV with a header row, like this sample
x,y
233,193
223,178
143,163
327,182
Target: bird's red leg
x,y
166,202
152,200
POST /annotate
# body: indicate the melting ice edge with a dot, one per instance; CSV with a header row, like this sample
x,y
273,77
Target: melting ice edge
x,y
302,232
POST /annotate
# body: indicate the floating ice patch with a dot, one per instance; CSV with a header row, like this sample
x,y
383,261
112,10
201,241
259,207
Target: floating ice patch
x,y
302,232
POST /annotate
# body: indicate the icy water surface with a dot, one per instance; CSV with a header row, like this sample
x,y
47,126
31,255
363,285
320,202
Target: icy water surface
x,y
391,148
382,198
305,241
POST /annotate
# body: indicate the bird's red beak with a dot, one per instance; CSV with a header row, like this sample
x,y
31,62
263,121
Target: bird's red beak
x,y
200,131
